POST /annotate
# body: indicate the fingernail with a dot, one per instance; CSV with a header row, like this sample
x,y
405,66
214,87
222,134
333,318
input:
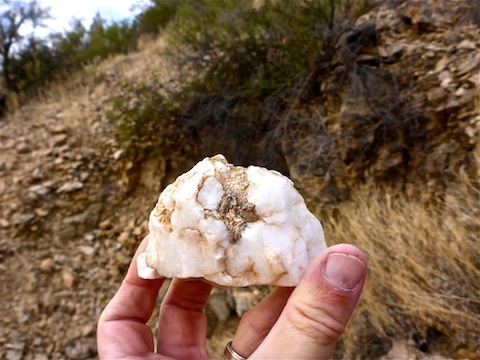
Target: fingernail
x,y
344,271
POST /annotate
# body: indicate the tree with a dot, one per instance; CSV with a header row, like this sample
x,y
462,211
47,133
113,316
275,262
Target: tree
x,y
13,17
69,44
33,66
156,15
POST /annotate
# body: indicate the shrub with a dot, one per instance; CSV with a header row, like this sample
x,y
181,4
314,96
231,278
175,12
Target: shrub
x,y
246,65
145,125
32,67
253,51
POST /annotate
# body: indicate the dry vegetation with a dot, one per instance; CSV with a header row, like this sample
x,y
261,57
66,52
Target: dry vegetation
x,y
423,265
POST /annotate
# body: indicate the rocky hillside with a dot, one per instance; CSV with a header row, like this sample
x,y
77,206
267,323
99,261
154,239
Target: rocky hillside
x,y
398,105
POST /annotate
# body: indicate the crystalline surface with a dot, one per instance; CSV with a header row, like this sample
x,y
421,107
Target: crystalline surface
x,y
232,226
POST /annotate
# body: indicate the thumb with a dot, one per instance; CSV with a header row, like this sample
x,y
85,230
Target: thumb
x,y
318,310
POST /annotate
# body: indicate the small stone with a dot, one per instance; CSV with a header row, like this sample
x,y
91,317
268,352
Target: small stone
x,y
62,204
23,148
45,152
58,129
8,144
390,53
23,318
470,131
467,96
437,95
58,140
13,206
15,351
39,189
37,174
139,230
84,176
41,357
446,82
68,279
441,64
41,212
451,38
64,150
245,299
122,259
400,350
460,91
218,305
6,166
444,75
465,353
4,223
105,225
368,59
125,239
475,79
29,286
382,51
89,237
75,165
79,349
467,44
70,186
87,250
47,265
20,219
87,330
468,65
117,154
449,106
114,272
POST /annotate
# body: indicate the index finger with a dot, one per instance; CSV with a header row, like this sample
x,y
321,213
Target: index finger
x,y
135,300
122,328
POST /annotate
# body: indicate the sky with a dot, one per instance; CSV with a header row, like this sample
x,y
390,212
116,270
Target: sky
x,y
62,12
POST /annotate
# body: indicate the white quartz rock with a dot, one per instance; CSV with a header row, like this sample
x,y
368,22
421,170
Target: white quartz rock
x,y
231,226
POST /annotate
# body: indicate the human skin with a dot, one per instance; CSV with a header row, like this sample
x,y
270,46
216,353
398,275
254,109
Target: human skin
x,y
301,322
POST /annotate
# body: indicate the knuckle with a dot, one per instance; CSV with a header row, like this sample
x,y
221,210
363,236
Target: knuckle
x,y
255,324
315,322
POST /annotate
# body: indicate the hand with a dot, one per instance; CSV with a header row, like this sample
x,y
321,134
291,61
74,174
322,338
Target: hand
x,y
302,322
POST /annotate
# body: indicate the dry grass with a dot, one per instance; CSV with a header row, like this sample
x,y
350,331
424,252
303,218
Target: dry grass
x,y
423,264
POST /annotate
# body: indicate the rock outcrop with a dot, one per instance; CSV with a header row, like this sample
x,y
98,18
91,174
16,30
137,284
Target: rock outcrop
x,y
398,105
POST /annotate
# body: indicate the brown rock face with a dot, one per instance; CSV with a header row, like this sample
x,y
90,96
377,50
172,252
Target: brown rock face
x,y
396,106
